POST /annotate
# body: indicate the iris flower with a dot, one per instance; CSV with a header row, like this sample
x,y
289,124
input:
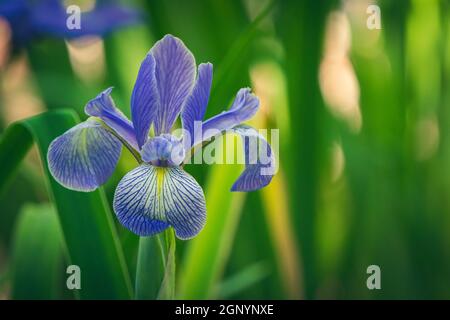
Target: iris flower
x,y
30,19
158,193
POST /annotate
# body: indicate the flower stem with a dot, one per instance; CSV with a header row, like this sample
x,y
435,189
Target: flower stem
x,y
155,273
167,290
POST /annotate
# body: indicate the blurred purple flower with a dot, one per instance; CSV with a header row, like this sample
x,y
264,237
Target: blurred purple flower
x,y
30,19
158,193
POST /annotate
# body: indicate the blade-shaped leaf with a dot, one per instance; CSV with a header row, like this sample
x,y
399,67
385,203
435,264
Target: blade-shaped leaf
x,y
301,26
85,218
243,280
37,253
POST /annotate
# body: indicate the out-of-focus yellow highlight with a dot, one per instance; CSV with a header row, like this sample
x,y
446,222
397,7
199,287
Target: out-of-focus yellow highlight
x,y
338,82
275,202
87,57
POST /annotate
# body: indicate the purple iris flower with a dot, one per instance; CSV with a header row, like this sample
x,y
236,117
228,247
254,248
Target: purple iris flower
x,y
30,19
158,193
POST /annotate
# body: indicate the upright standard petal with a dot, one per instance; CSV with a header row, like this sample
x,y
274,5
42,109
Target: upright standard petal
x,y
148,199
243,108
103,107
84,157
175,76
259,161
144,100
195,107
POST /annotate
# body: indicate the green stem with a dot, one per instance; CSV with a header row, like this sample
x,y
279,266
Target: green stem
x,y
167,290
155,273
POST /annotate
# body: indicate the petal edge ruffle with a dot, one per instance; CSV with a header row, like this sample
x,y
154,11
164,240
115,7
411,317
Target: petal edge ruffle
x,y
259,160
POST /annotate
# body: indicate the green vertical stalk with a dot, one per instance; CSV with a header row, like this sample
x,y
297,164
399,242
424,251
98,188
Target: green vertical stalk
x,y
301,25
379,160
155,273
167,289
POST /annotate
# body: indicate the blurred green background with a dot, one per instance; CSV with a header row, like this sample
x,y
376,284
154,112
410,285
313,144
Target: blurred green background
x,y
364,153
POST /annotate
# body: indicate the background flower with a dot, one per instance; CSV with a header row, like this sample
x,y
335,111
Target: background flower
x,y
29,20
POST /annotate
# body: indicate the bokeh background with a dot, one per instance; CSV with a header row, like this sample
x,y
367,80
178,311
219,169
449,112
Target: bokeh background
x,y
364,154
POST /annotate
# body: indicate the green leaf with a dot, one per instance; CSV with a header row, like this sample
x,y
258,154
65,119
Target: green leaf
x,y
155,274
14,146
240,45
301,26
49,59
37,253
85,218
243,280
